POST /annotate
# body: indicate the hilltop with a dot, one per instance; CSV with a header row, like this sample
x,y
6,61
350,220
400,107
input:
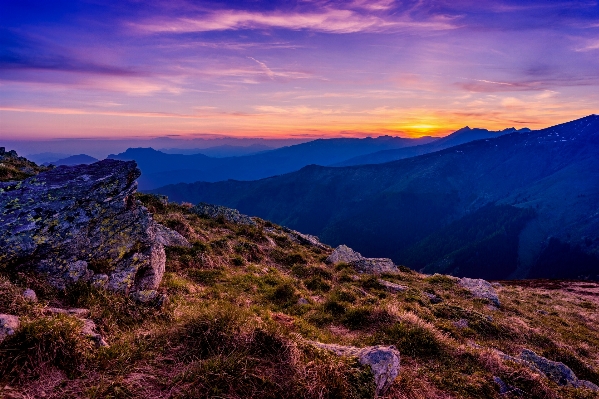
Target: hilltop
x,y
247,308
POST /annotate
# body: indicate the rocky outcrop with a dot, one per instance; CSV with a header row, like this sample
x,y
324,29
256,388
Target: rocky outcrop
x,y
304,239
83,223
556,371
217,211
14,167
9,324
480,289
344,254
384,361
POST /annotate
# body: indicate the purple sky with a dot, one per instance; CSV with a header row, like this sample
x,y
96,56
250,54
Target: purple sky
x,y
118,69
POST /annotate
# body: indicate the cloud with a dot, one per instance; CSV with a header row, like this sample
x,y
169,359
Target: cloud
x,y
328,20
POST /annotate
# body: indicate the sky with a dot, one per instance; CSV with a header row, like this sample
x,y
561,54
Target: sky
x,y
293,69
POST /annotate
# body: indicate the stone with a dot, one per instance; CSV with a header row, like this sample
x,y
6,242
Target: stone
x,y
433,298
216,211
557,372
73,223
392,287
344,254
89,330
30,295
305,239
384,361
302,301
9,324
76,312
480,289
462,323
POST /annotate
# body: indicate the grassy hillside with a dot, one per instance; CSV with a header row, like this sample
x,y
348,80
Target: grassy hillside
x,y
244,302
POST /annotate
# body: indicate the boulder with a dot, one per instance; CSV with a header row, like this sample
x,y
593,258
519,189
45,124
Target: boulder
x,y
384,361
30,295
72,223
9,324
556,371
344,254
216,211
480,289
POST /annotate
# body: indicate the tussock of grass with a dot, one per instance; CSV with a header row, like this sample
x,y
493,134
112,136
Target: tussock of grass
x,y
42,343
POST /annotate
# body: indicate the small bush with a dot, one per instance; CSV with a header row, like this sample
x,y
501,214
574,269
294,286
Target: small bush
x,y
316,283
49,341
284,294
357,318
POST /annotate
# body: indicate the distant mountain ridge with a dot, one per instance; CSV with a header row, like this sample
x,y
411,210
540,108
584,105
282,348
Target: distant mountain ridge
x,y
461,136
81,159
160,169
520,205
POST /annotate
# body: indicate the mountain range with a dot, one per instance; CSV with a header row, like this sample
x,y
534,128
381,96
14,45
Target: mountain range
x,y
458,137
520,205
159,169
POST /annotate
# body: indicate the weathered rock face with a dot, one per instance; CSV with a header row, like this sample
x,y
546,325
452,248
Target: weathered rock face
x,y
344,254
480,289
83,223
384,361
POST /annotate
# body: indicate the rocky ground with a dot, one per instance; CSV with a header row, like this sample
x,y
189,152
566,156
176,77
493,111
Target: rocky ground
x,y
254,310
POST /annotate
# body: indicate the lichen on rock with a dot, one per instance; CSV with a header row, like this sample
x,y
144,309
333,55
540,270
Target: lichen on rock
x,y
73,223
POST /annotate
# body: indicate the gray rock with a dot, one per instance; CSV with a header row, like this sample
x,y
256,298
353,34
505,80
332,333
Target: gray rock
x,y
30,295
384,361
433,298
305,239
9,324
76,312
556,371
215,211
480,289
392,287
462,323
302,301
73,222
89,330
344,254
170,238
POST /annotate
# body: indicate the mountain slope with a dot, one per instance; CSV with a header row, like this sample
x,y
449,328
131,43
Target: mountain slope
x,y
387,210
161,169
458,137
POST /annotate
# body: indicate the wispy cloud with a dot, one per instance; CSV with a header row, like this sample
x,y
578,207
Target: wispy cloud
x,y
328,20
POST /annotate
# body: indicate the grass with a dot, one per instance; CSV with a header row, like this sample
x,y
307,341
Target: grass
x,y
235,327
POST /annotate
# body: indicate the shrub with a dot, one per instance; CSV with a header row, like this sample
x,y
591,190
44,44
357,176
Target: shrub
x,y
284,294
316,283
50,341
